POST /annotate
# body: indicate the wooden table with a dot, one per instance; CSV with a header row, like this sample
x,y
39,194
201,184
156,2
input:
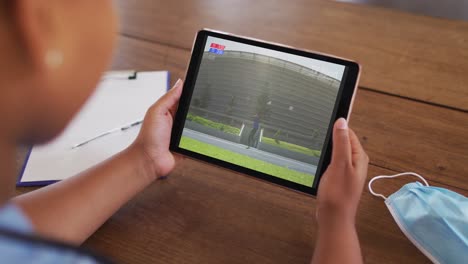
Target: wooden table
x,y
411,114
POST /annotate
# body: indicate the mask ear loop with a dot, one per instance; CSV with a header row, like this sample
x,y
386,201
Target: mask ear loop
x,y
392,176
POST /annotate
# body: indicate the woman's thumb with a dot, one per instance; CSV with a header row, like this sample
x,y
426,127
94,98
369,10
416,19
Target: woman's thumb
x,y
341,144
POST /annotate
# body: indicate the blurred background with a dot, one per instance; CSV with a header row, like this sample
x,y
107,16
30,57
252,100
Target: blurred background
x,y
453,9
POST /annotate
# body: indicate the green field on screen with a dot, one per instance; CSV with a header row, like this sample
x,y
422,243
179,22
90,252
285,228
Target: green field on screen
x,y
245,161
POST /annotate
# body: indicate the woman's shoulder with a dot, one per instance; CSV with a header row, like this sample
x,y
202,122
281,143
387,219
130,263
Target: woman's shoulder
x,y
19,245
12,218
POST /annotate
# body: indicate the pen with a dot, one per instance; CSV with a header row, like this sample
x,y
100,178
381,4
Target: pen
x,y
107,133
131,125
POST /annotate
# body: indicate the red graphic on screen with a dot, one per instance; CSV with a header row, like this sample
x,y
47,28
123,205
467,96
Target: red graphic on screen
x,y
217,46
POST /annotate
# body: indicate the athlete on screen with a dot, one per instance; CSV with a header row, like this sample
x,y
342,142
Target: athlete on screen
x,y
256,124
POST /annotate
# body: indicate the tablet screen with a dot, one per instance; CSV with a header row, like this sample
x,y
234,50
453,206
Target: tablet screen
x,y
262,109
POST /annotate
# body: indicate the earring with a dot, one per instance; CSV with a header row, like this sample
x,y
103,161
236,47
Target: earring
x,y
54,58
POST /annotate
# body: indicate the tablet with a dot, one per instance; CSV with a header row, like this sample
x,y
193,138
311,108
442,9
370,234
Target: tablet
x,y
262,109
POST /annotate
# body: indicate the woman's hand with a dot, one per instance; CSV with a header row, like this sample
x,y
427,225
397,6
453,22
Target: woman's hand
x,y
341,185
155,134
72,209
338,198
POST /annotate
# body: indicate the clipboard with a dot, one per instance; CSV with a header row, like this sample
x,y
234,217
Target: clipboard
x,y
121,98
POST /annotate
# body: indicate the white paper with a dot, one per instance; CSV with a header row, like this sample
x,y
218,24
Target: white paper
x,y
117,102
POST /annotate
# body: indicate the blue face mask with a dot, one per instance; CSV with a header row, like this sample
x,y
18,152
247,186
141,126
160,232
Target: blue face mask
x,y
434,219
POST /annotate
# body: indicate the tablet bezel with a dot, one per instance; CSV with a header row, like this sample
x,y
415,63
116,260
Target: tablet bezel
x,y
342,106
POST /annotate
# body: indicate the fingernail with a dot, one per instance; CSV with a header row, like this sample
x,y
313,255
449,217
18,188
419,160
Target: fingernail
x,y
341,123
178,83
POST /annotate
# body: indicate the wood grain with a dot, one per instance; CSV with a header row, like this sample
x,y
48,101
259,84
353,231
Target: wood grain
x,y
202,214
398,134
413,56
205,214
